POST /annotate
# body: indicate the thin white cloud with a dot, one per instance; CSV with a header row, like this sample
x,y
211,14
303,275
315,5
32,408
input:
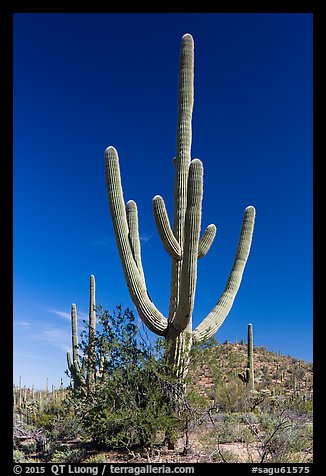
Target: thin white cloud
x,y
64,314
144,237
22,323
104,240
59,338
25,355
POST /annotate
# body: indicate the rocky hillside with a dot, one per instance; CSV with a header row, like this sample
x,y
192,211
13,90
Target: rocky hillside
x,y
282,375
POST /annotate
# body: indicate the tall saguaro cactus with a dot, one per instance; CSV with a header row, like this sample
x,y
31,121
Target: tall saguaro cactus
x,y
182,242
248,375
74,362
83,375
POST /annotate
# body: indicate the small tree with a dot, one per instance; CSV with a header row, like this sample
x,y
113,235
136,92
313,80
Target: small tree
x,y
137,399
129,403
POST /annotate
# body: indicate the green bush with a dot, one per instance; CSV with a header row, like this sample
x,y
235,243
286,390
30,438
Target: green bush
x,y
58,421
130,404
67,456
97,458
280,435
232,396
18,456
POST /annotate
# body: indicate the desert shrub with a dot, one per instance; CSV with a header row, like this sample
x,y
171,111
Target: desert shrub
x,y
229,429
68,455
232,396
223,456
302,406
58,421
97,458
18,456
280,435
130,404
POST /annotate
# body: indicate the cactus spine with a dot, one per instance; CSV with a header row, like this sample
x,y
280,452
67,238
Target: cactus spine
x,y
183,242
248,375
77,371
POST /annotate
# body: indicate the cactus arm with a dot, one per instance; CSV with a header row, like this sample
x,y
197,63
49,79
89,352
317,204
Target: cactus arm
x,y
132,219
75,371
74,333
150,315
182,160
243,376
69,362
206,240
190,253
212,322
163,226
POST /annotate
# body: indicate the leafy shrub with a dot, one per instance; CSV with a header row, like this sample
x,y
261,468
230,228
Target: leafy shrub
x,y
97,458
279,435
232,396
68,456
18,456
130,403
58,421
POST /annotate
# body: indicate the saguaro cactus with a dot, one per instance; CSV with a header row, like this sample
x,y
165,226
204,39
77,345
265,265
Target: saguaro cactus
x,y
248,375
77,371
183,242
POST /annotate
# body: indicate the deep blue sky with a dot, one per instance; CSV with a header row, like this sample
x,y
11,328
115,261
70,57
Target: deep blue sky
x,y
83,82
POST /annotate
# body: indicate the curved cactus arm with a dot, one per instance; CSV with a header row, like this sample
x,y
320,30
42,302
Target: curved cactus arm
x,y
212,322
190,253
243,376
132,219
206,240
150,315
163,226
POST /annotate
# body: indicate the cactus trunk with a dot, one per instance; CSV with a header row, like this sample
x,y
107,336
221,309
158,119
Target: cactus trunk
x,y
182,241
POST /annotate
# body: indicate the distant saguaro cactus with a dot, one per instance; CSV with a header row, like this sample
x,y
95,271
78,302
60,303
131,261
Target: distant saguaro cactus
x,y
248,375
183,242
83,375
